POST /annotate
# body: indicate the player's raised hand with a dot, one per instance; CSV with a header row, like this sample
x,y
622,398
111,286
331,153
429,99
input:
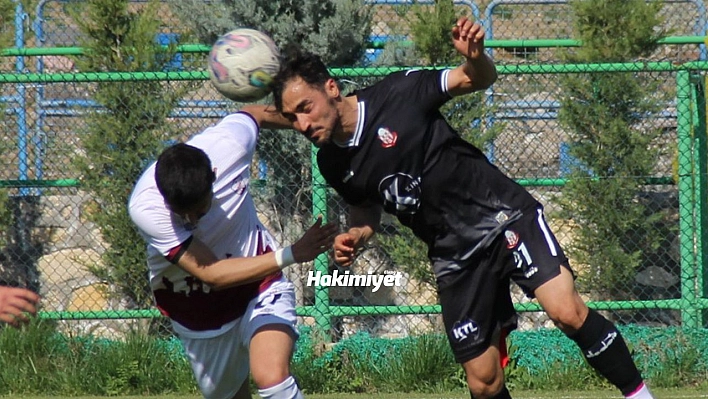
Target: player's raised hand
x,y
16,304
468,38
317,239
345,246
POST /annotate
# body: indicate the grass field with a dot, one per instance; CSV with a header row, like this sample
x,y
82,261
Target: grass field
x,y
659,393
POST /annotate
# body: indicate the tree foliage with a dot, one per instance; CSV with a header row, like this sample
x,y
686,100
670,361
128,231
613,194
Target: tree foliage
x,y
603,113
7,23
126,134
7,12
337,30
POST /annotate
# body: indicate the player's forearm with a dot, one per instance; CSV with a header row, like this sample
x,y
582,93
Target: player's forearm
x,y
267,117
481,72
474,75
364,234
233,272
364,221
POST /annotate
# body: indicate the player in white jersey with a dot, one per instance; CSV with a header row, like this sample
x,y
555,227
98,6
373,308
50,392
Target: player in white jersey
x,y
215,270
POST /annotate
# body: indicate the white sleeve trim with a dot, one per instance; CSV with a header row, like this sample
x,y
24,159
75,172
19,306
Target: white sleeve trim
x,y
443,80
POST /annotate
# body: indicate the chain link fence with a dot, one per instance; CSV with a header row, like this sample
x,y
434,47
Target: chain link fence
x,y
653,273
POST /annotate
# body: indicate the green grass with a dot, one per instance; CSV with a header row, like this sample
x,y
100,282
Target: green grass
x,y
38,361
605,394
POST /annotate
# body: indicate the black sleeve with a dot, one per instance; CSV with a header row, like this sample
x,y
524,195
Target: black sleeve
x,y
424,89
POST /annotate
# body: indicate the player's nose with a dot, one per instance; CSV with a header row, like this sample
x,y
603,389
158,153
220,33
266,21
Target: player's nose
x,y
304,124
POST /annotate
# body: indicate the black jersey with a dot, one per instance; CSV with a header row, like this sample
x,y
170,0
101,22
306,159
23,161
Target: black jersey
x,y
405,157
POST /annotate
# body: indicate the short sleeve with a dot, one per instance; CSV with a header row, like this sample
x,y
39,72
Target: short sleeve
x,y
238,130
152,217
425,89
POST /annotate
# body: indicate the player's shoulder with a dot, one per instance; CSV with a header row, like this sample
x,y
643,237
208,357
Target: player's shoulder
x,y
240,120
143,185
415,74
407,79
238,128
145,204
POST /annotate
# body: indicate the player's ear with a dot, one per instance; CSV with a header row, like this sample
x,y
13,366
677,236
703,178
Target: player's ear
x,y
331,88
213,175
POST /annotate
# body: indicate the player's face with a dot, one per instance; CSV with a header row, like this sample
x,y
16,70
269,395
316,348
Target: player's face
x,y
193,214
313,110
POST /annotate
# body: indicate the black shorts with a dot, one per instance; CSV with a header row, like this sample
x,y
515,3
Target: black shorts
x,y
476,301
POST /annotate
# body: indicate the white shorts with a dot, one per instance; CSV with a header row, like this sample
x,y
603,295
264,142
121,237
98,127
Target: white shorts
x,y
221,364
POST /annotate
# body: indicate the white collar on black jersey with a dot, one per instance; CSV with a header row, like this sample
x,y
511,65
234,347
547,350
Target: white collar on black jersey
x,y
358,130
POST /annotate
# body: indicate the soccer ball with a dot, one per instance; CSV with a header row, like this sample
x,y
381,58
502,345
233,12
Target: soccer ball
x,y
242,64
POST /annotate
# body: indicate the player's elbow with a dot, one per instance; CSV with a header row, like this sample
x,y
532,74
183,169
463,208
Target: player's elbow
x,y
212,280
483,81
216,283
490,79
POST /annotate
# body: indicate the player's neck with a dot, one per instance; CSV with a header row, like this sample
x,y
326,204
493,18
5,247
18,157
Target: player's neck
x,y
348,117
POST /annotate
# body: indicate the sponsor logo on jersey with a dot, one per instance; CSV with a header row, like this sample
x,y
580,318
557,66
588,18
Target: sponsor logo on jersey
x,y
464,329
239,184
512,239
387,137
400,193
501,217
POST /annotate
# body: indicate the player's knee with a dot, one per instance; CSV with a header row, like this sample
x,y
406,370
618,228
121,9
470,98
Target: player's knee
x,y
569,315
266,378
569,320
481,390
485,385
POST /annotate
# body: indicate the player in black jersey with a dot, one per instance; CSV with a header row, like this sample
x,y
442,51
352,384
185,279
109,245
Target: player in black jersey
x,y
387,148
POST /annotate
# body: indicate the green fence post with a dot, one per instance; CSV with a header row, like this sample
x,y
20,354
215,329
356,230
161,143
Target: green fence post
x,y
700,143
319,207
686,201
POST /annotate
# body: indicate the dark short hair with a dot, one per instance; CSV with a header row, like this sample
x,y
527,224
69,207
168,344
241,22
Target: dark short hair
x,y
298,63
184,176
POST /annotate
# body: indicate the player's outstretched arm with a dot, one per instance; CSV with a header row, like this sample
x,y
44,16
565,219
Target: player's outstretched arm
x,y
16,304
478,72
267,117
364,221
199,260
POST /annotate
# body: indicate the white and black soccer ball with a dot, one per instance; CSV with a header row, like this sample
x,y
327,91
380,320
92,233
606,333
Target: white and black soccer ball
x,y
242,64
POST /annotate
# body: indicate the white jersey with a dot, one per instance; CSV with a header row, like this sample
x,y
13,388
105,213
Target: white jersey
x,y
230,229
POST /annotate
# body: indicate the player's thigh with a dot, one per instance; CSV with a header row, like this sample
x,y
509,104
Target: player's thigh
x,y
476,305
271,332
562,303
534,253
220,364
539,266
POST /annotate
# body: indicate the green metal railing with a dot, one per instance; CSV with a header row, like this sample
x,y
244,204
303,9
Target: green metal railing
x,y
86,77
692,172
201,48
